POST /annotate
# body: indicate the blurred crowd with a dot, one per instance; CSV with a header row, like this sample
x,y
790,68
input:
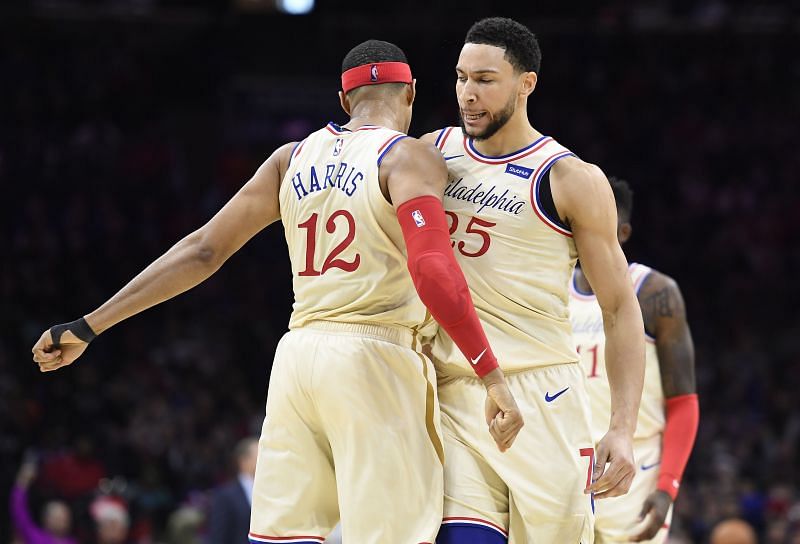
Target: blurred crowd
x,y
116,142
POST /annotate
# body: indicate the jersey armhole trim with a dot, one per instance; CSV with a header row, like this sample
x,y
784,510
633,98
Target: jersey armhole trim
x,y
637,288
639,283
298,147
389,144
543,205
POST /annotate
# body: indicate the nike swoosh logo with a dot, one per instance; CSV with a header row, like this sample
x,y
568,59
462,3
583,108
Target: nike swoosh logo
x,y
453,157
549,398
478,358
648,467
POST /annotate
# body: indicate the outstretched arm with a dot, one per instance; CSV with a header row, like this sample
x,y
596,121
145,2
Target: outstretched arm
x,y
185,265
664,316
584,199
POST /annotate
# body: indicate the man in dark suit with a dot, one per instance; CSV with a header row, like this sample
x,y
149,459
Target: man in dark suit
x,y
229,519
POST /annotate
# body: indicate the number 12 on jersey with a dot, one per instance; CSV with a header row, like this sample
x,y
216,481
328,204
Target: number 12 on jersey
x,y
331,261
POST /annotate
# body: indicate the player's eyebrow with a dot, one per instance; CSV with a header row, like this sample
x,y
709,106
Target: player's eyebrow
x,y
481,71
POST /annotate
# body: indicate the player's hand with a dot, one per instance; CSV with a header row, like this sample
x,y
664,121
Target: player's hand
x,y
50,358
26,475
616,450
502,414
654,512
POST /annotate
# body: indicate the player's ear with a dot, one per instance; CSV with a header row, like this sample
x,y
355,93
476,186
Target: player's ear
x,y
527,83
411,92
624,231
344,101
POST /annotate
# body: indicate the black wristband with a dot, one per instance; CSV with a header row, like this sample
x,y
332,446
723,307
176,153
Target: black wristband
x,y
79,328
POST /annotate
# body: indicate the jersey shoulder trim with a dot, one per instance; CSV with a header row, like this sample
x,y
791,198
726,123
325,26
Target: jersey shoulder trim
x,y
388,144
441,138
639,273
298,147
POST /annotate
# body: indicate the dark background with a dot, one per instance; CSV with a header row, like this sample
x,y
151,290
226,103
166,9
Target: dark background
x,y
126,124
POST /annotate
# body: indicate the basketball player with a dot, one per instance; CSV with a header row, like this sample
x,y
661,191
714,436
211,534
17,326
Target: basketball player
x,y
522,208
669,412
348,387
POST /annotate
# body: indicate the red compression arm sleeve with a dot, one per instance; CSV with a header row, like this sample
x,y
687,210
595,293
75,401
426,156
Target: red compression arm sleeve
x,y
680,430
439,280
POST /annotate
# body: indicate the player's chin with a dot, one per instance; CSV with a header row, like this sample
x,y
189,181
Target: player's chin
x,y
474,131
474,128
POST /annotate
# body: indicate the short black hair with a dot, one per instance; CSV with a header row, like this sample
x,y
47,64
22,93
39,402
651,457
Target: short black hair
x,y
623,194
521,45
372,51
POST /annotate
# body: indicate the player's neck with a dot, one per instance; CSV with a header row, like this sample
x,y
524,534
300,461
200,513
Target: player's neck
x,y
581,283
515,134
374,113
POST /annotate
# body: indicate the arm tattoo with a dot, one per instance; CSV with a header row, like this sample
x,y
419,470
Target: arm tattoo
x,y
659,304
665,317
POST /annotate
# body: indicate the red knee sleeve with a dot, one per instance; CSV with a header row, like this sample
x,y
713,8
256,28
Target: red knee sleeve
x,y
680,429
439,281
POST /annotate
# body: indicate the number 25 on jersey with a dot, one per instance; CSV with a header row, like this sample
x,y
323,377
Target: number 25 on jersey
x,y
473,228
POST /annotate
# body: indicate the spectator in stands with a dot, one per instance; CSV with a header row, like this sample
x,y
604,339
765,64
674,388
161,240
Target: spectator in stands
x,y
112,520
56,516
733,531
229,518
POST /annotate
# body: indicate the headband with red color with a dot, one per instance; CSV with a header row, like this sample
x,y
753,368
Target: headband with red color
x,y
375,74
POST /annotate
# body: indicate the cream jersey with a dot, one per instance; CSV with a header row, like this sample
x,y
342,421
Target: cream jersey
x,y
516,258
587,324
345,244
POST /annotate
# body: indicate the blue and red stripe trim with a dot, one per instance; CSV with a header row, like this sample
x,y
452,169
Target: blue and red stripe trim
x,y
639,273
264,539
336,130
577,293
388,144
442,138
469,147
474,522
298,147
537,205
639,281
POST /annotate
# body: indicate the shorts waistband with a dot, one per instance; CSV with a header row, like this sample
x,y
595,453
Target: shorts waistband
x,y
401,336
455,370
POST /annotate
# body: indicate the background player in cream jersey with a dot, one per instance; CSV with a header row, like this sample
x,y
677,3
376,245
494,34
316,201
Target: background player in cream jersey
x,y
352,422
669,412
522,208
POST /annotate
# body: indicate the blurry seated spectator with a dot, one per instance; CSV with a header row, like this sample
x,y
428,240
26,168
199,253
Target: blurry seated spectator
x,y
56,516
184,525
733,531
229,518
111,519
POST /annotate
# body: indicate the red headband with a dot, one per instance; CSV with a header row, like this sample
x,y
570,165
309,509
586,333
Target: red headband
x,y
375,74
